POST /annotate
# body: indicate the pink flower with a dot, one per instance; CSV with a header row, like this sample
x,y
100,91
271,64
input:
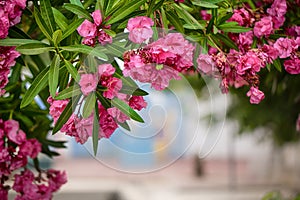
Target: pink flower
x,y
256,96
107,123
206,64
4,155
104,38
3,192
88,83
106,70
113,85
56,179
242,17
249,62
31,148
298,124
264,27
205,15
117,114
245,40
140,29
285,47
11,126
4,24
17,162
137,102
292,66
87,29
97,17
84,129
278,8
56,107
271,52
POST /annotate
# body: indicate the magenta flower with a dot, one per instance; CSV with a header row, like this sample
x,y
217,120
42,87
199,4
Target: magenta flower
x,y
140,29
30,148
256,96
88,83
249,62
83,128
56,107
204,15
105,70
56,179
113,85
242,17
285,47
292,66
97,17
278,8
4,24
264,27
137,102
107,123
87,29
117,114
206,64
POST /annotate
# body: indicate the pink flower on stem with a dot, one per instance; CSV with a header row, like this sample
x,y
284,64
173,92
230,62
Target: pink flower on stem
x,y
87,29
107,123
256,96
113,85
83,129
97,17
88,83
140,29
105,70
292,66
56,107
278,8
137,102
56,179
249,62
30,148
117,114
285,47
242,17
271,52
205,15
206,64
264,27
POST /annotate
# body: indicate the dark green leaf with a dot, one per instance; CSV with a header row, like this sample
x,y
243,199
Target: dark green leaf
x,y
68,93
42,24
34,48
175,21
277,65
17,42
72,70
77,2
47,14
56,144
125,10
37,85
60,19
89,105
105,102
126,109
204,4
72,27
115,50
124,125
233,27
133,91
78,10
86,50
53,75
57,37
95,135
227,41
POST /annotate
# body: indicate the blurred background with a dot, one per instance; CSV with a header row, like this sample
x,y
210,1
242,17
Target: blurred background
x,y
195,144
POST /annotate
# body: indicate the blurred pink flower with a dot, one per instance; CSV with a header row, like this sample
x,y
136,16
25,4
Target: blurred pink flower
x,y
206,64
88,83
292,66
56,107
105,70
204,15
137,102
249,62
256,96
140,29
30,148
243,17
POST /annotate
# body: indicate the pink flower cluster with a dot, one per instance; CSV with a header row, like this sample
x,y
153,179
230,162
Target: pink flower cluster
x,y
10,15
7,60
160,61
15,149
93,32
140,29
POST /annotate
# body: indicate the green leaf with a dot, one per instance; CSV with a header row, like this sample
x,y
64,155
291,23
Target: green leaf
x,y
126,109
53,75
125,125
187,17
226,40
42,24
80,11
56,144
89,105
57,37
77,2
110,32
72,70
64,117
72,27
151,6
277,65
233,27
115,50
133,91
17,42
60,19
95,135
105,102
125,10
86,50
204,4
164,18
34,48
47,14
37,85
69,93
175,21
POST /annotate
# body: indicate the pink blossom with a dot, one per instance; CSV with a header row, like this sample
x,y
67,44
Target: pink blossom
x,y
278,21
88,83
4,155
22,179
56,179
30,148
256,96
17,162
206,64
11,126
90,41
3,192
140,29
285,47
56,107
97,17
87,29
242,17
137,102
117,114
271,52
4,24
249,62
292,66
264,27
245,40
113,85
298,124
107,123
84,129
278,8
106,70
205,15
104,38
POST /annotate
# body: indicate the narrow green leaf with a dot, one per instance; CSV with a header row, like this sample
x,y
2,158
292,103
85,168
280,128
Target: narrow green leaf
x,y
34,48
125,125
95,135
133,91
53,75
233,27
77,2
204,4
72,70
42,24
105,102
17,42
37,85
164,18
115,50
126,109
60,19
151,6
125,10
277,65
175,21
69,93
78,10
57,144
64,117
110,32
47,14
72,27
226,40
86,50
89,105
57,37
